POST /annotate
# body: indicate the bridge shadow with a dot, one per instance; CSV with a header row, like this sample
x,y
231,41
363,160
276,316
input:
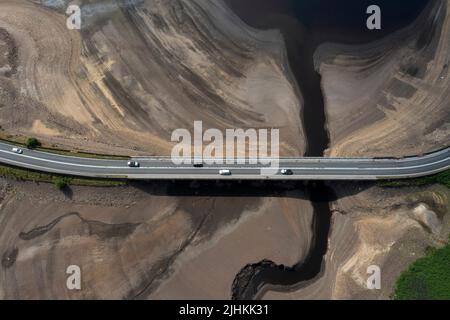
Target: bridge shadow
x,y
316,191
235,196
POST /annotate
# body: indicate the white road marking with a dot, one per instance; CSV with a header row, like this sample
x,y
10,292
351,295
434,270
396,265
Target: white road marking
x,y
205,170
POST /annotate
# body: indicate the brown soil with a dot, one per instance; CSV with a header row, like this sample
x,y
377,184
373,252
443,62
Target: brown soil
x,y
390,97
390,228
135,242
135,74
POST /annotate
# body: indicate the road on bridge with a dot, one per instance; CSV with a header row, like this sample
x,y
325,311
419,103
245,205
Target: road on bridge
x,y
164,168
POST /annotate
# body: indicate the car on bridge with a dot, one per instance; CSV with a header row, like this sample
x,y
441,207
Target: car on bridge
x,y
134,164
225,172
287,172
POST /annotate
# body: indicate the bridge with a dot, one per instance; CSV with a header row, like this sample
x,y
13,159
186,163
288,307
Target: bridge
x,y
155,168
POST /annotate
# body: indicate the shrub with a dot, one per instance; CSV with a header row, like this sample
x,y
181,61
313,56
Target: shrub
x,y
61,182
33,143
427,279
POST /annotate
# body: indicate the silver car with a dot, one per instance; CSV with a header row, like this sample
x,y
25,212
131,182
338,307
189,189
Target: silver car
x,y
225,172
17,150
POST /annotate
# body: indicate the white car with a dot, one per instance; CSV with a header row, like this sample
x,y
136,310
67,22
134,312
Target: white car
x,y
287,172
17,150
225,172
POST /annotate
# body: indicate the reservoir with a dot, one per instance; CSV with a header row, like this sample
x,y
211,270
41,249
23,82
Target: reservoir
x,y
305,24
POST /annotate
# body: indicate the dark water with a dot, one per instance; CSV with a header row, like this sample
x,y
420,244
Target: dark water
x,y
250,282
305,24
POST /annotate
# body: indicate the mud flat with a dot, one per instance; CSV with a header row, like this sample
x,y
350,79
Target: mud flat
x,y
207,270
139,70
114,235
390,228
390,97
305,27
144,241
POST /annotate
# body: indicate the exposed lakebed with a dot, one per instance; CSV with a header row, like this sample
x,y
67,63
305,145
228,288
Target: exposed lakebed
x,y
305,25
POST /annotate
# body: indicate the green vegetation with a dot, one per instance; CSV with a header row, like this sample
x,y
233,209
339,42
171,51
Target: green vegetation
x,y
84,154
441,178
23,143
59,181
427,279
32,143
62,182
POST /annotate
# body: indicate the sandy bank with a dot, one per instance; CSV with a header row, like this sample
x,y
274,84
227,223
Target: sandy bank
x,y
135,73
390,97
142,241
390,228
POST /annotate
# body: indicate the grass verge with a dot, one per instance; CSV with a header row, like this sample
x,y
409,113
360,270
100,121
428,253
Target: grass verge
x,y
23,143
441,178
59,181
427,279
